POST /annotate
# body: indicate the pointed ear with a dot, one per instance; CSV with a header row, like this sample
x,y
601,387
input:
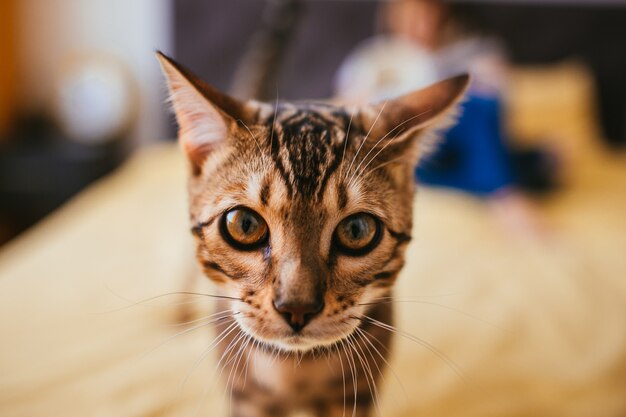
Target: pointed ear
x,y
400,123
206,117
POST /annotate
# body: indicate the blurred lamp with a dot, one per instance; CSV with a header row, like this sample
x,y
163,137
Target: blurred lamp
x,y
94,99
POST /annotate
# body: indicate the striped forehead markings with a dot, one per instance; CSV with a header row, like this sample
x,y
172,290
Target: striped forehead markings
x,y
304,151
264,194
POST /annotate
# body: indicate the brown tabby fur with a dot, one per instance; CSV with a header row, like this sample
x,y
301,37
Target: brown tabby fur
x,y
303,167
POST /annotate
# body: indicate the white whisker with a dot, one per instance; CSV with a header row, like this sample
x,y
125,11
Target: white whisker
x,y
366,136
206,391
345,144
385,146
230,328
251,135
391,300
382,357
378,143
169,339
457,370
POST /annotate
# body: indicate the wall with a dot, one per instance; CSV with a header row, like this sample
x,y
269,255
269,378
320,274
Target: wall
x,y
50,31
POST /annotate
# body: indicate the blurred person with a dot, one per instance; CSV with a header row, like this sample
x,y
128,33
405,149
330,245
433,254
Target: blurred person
x,y
426,40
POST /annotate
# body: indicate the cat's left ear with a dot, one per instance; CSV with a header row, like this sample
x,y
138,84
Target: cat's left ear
x,y
400,125
206,117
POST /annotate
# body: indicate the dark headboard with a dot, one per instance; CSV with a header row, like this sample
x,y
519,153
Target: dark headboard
x,y
211,36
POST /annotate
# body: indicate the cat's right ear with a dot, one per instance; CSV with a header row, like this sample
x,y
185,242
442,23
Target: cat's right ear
x,y
401,122
205,116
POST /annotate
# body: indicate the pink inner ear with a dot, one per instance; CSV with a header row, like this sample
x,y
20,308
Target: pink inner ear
x,y
203,126
197,155
201,131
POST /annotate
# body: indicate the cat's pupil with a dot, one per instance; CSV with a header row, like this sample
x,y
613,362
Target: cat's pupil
x,y
246,224
357,229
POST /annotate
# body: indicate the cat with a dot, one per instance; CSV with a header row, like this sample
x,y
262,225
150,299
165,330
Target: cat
x,y
301,214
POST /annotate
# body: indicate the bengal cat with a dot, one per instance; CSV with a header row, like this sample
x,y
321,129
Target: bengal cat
x,y
302,213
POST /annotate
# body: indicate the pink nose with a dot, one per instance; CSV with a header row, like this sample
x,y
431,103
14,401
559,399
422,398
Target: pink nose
x,y
298,314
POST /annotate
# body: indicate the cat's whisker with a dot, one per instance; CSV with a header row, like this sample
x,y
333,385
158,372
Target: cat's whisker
x,y
366,136
247,347
378,143
299,359
386,144
187,323
430,303
230,352
334,350
370,371
382,357
453,365
156,297
234,346
225,354
419,297
379,166
246,344
253,347
345,144
343,381
221,336
369,376
272,355
217,366
191,329
251,135
235,368
353,372
365,339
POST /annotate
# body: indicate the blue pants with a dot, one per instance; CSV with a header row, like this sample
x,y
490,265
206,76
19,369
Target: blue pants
x,y
472,157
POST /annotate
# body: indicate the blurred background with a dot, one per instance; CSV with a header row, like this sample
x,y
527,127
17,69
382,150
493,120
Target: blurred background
x,y
80,89
516,271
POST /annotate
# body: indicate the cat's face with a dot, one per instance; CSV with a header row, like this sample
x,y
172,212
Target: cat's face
x,y
302,212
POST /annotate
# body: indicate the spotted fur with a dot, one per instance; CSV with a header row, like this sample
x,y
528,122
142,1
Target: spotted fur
x,y
303,167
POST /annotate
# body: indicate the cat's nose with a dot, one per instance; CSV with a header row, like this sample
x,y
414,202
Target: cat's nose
x,y
298,314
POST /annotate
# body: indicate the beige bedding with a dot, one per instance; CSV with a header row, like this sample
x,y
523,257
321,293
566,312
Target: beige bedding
x,y
538,328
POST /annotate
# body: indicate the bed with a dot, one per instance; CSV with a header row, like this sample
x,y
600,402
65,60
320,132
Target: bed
x,y
522,326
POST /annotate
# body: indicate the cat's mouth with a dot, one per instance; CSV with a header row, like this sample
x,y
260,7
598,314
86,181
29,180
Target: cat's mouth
x,y
300,343
307,339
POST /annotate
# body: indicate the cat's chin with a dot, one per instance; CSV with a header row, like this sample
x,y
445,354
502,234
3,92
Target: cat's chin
x,y
301,344
310,339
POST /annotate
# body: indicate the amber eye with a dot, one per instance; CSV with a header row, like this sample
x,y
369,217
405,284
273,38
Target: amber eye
x,y
244,229
357,234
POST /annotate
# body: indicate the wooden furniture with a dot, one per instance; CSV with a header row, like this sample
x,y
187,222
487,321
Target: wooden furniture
x,y
8,76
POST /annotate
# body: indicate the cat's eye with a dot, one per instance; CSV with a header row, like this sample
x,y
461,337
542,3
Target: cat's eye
x,y
244,229
357,234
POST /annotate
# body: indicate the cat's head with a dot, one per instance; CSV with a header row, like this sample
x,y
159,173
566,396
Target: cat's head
x,y
302,211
